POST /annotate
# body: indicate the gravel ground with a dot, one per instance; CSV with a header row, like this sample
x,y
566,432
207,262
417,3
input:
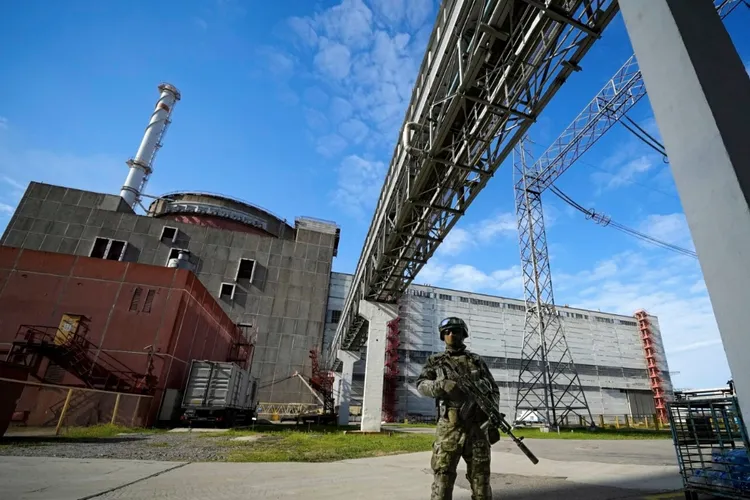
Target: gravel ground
x,y
178,447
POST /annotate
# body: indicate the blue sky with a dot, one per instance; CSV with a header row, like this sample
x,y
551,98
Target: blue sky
x,y
296,107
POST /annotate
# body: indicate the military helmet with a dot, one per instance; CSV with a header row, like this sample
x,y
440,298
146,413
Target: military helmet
x,y
453,324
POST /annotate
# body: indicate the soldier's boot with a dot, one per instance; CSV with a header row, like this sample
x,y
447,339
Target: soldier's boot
x,y
442,485
480,486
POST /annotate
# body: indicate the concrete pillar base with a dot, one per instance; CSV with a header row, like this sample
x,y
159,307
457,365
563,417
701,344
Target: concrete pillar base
x,y
377,315
344,393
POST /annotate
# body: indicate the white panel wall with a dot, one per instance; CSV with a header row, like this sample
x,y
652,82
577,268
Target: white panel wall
x,y
606,348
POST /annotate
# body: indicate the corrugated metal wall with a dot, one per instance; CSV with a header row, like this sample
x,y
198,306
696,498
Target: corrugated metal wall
x,y
606,348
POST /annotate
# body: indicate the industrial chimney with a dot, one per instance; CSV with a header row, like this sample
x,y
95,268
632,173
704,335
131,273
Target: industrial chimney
x,y
142,165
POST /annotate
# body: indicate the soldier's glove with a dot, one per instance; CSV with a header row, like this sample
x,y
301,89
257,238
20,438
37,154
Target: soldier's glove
x,y
451,390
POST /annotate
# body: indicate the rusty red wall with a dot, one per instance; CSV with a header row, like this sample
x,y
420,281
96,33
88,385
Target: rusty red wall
x,y
183,321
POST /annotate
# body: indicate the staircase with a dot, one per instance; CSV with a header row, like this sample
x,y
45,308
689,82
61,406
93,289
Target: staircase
x,y
322,382
78,356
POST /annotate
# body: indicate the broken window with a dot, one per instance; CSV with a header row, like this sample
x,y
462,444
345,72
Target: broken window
x,y
135,299
149,301
245,270
109,249
168,233
226,291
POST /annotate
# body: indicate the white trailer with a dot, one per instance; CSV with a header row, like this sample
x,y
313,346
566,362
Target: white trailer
x,y
220,393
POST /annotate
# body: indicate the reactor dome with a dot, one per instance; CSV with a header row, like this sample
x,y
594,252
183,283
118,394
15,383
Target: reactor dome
x,y
217,211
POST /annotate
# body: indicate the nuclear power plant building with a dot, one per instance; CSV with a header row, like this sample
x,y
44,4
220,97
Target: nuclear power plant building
x,y
608,350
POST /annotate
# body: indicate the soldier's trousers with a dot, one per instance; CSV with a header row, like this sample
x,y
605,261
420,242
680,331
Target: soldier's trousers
x,y
453,441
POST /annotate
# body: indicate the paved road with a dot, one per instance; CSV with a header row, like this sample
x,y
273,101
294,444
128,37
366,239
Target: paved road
x,y
633,451
567,469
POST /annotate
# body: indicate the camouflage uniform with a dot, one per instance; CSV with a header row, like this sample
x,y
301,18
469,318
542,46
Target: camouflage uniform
x,y
455,438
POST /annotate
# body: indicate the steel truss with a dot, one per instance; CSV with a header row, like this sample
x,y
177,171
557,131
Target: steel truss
x,y
548,382
544,336
490,68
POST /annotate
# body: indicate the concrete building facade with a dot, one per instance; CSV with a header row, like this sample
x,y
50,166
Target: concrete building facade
x,y
261,270
606,348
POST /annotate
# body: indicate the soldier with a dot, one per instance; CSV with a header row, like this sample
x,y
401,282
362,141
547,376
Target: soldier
x,y
455,436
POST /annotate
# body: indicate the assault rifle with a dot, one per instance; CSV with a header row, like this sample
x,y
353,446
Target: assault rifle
x,y
480,397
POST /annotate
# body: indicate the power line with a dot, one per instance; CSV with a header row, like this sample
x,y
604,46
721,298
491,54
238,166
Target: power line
x,y
644,136
605,220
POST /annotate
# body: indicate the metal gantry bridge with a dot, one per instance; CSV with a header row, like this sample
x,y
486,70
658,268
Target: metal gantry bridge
x,y
490,68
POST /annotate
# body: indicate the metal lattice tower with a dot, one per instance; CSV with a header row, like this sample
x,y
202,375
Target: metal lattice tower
x,y
548,382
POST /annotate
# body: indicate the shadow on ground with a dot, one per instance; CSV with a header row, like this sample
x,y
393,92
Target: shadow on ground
x,y
517,487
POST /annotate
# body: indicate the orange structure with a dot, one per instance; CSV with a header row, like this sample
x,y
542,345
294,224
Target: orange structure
x,y
654,374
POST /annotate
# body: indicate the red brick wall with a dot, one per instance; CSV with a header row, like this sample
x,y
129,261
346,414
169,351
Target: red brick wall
x,y
184,321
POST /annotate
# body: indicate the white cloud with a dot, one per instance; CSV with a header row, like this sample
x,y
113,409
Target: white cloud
x,y
501,225
667,285
354,130
280,63
359,184
366,57
330,145
670,228
333,59
6,209
467,277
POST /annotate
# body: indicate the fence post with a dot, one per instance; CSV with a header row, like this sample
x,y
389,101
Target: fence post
x,y
645,419
657,422
63,412
117,406
135,412
601,421
617,421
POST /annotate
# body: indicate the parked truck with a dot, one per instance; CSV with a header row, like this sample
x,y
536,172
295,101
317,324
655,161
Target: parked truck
x,y
219,393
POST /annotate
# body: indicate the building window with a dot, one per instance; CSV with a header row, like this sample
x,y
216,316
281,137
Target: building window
x,y
168,233
464,299
628,323
516,307
149,301
108,249
175,253
335,316
245,270
135,299
226,291
604,320
445,297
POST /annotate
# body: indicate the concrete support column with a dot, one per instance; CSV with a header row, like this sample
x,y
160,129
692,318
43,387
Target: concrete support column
x,y
348,358
372,395
700,94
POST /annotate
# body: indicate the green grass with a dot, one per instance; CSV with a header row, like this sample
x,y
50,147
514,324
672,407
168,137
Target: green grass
x,y
321,445
103,431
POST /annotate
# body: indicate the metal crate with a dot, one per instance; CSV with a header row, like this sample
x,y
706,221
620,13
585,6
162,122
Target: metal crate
x,y
711,442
